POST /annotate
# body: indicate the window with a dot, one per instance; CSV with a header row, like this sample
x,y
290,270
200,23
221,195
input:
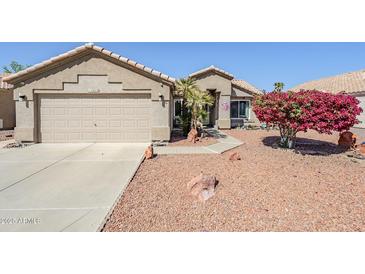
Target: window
x,y
178,107
239,109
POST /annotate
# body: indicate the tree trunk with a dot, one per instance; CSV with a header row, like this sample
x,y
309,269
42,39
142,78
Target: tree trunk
x,y
288,136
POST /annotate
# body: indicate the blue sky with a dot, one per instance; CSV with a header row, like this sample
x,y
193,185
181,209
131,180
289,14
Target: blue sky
x,y
261,64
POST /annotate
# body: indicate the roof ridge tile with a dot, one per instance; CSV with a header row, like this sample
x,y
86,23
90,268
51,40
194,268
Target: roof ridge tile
x,y
84,47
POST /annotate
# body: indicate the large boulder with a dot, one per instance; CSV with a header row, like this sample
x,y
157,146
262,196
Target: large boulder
x,y
148,153
193,135
202,187
347,139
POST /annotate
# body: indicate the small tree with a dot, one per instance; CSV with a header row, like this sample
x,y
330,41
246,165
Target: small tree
x,y
14,67
278,86
195,99
294,112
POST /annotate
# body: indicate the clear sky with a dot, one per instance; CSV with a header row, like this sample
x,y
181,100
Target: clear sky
x,y
261,64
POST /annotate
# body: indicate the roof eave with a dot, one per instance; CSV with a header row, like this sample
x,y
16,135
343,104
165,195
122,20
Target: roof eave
x,y
214,70
86,49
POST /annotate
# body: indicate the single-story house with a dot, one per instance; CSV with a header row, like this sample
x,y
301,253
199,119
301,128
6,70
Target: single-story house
x,y
352,83
7,105
90,94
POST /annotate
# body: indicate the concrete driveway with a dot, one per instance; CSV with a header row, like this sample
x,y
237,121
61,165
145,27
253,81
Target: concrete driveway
x,y
63,187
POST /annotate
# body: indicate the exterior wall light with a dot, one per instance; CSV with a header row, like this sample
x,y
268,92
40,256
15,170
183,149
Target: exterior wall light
x,y
22,97
160,96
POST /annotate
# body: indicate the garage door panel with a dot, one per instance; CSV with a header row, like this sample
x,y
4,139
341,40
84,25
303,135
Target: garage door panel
x,y
87,123
136,136
61,124
76,111
101,111
74,123
47,111
102,123
87,111
75,137
115,124
115,110
95,118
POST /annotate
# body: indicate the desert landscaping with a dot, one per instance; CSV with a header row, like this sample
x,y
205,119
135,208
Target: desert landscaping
x,y
315,187
177,139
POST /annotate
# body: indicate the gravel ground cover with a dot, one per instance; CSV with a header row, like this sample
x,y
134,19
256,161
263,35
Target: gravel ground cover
x,y
177,139
6,135
268,190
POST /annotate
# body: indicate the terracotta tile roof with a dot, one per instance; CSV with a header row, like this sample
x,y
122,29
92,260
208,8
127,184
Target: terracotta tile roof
x,y
4,85
213,69
89,47
351,82
247,86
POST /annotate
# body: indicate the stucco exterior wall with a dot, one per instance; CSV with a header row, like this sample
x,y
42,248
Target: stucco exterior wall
x,y
7,109
223,87
361,117
253,117
91,74
236,92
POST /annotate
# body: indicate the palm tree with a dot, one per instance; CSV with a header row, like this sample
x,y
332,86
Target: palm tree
x,y
195,99
184,85
14,67
278,86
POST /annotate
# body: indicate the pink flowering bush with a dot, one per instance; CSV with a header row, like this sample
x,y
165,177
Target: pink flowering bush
x,y
311,109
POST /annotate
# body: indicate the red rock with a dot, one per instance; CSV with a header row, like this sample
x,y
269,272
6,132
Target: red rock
x,y
202,187
347,139
193,135
148,153
235,156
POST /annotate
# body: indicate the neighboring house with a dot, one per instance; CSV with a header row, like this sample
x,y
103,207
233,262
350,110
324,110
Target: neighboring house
x,y
90,94
352,83
7,105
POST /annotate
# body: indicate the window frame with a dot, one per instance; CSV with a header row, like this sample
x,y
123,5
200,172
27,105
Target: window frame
x,y
182,105
248,105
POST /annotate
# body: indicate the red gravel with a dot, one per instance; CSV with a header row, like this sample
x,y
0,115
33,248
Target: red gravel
x,y
179,140
268,190
6,135
201,142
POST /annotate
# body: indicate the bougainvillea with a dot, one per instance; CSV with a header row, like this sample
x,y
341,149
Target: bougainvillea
x,y
293,112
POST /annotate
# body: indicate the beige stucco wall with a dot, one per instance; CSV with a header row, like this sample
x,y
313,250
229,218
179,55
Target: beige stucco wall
x,y
236,92
91,74
7,109
223,87
361,117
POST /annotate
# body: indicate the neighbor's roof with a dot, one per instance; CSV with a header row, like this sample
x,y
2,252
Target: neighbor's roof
x,y
212,69
351,82
4,85
247,86
88,47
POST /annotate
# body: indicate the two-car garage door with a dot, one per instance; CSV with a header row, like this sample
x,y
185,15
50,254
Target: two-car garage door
x,y
94,118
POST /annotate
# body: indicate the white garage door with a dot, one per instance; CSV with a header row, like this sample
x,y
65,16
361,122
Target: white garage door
x,y
94,118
